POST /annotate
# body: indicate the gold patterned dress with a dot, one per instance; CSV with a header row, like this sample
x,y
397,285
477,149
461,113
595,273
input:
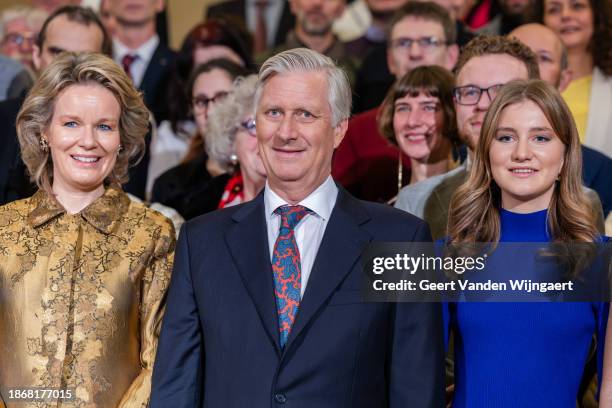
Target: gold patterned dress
x,y
81,299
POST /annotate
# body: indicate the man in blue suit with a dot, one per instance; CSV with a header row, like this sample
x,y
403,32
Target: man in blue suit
x,y
264,308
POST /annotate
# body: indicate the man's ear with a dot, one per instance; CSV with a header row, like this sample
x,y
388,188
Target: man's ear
x,y
160,6
36,57
452,54
564,79
339,132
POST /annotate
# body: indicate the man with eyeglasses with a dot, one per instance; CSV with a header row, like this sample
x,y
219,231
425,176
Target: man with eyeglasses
x,y
421,33
19,27
485,65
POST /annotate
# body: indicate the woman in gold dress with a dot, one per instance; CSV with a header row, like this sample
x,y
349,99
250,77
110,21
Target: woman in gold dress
x,y
83,270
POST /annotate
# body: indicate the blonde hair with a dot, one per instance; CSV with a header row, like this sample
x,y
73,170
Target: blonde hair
x,y
36,113
474,214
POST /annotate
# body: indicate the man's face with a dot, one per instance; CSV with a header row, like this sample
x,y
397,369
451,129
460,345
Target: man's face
x,y
135,12
295,132
18,41
65,35
415,42
315,17
547,47
481,73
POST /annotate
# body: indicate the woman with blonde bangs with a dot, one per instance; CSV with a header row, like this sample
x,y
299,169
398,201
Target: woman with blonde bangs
x,y
525,185
84,270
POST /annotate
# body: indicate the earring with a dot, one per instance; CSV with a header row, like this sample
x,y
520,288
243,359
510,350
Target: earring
x,y
44,144
120,149
233,159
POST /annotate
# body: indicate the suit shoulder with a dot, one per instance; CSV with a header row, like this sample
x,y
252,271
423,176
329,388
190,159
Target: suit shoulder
x,y
214,222
382,213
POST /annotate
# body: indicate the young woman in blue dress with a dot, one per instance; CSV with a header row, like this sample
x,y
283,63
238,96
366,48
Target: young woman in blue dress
x,y
525,185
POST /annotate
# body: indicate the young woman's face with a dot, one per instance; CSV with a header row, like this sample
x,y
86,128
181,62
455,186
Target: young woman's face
x,y
208,89
526,158
417,124
571,19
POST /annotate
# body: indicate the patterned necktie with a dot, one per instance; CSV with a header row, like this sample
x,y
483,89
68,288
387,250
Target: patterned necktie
x,y
286,268
126,62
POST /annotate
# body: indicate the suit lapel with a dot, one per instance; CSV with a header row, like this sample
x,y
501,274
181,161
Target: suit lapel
x,y
158,64
247,241
342,245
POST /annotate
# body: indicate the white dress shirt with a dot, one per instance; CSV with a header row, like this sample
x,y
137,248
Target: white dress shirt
x,y
272,15
309,231
143,55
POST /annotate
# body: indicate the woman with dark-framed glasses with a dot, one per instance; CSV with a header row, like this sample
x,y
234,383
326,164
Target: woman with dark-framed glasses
x,y
231,141
209,83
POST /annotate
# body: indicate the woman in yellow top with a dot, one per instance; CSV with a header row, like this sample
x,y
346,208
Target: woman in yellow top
x,y
585,27
83,270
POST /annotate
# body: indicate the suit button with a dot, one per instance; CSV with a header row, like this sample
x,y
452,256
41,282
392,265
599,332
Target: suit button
x,y
280,398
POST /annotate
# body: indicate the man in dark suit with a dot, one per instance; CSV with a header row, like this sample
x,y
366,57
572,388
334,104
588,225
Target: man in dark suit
x,y
264,308
137,47
276,14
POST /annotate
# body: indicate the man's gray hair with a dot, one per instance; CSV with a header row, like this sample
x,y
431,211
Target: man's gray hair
x,y
225,117
305,60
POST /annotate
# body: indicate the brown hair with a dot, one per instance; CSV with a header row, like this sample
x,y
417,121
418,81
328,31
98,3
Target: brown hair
x,y
474,214
82,15
36,113
495,44
433,81
601,41
426,10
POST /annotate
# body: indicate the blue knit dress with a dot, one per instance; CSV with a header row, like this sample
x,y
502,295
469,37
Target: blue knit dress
x,y
522,355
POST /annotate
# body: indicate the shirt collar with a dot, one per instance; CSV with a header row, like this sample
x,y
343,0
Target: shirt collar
x,y
102,214
321,201
144,52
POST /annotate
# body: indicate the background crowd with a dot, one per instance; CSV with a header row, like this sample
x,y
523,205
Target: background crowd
x,y
423,76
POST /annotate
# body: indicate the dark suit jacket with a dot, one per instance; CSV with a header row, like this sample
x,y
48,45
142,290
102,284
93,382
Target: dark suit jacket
x,y
155,81
219,343
237,8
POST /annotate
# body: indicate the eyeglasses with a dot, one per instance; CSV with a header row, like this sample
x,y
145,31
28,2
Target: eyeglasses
x,y
202,101
19,39
471,94
249,126
426,43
